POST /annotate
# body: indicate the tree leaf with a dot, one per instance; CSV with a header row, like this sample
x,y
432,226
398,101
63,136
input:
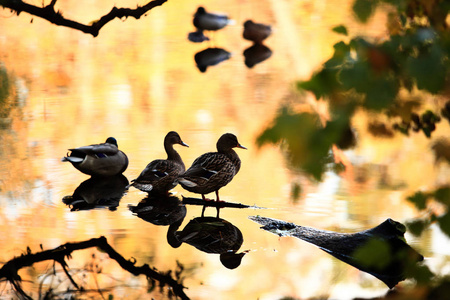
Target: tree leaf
x,y
419,199
341,29
364,9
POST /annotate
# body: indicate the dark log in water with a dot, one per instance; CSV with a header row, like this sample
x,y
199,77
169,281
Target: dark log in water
x,y
361,249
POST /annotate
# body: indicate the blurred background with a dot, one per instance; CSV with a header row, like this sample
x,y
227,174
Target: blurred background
x,y
138,80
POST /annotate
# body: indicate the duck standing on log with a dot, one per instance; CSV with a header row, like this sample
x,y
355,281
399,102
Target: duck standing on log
x,y
160,175
213,170
103,159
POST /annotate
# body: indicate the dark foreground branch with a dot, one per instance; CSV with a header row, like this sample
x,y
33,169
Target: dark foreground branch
x,y
48,13
9,271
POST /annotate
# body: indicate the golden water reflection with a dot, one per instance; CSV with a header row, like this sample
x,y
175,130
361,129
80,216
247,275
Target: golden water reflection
x,y
138,80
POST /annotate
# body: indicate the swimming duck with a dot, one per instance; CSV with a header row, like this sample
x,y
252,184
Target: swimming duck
x,y
256,32
99,159
213,170
209,21
160,175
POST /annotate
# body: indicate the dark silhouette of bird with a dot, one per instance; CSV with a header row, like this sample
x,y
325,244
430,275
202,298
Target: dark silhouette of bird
x,y
210,21
160,175
256,32
99,159
213,170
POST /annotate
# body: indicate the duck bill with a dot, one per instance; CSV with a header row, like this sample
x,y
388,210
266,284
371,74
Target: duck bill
x,y
184,144
240,146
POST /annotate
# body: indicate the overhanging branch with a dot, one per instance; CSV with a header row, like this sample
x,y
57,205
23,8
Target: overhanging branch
x,y
48,13
9,271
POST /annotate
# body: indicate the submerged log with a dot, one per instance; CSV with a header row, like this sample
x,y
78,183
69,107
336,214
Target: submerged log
x,y
380,251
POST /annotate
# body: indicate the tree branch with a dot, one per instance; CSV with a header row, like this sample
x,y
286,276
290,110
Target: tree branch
x,y
48,13
9,271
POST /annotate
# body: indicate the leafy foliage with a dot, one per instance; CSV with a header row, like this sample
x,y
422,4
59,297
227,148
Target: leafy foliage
x,y
426,201
308,147
373,76
385,77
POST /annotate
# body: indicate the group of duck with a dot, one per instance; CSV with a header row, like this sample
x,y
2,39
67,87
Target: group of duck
x,y
207,21
208,173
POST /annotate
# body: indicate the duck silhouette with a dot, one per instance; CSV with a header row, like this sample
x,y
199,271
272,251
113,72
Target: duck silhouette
x,y
103,159
161,175
256,32
98,192
213,170
160,210
210,57
210,21
211,235
256,54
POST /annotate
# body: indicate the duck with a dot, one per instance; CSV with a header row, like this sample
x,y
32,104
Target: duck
x,y
210,57
98,192
211,235
160,175
210,21
256,32
103,159
213,170
197,36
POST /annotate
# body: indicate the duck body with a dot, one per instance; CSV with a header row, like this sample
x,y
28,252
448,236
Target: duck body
x,y
212,235
210,57
256,32
209,21
98,159
160,175
213,170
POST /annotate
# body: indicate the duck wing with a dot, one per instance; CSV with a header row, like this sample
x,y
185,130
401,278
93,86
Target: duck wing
x,y
208,165
157,169
105,149
159,175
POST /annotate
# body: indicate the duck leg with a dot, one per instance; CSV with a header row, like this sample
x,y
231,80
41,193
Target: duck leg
x,y
217,197
204,206
218,211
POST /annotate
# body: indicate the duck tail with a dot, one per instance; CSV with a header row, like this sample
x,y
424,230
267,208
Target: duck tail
x,y
72,159
188,183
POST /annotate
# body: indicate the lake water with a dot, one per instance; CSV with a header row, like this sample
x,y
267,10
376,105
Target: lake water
x,y
138,80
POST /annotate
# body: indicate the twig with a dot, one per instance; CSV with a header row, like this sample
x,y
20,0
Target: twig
x,y
218,204
10,270
48,13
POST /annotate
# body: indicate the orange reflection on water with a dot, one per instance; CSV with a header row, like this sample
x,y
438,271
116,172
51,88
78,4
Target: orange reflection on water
x,y
136,81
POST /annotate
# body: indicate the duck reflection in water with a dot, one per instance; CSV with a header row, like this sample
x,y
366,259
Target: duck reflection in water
x,y
257,33
98,192
210,57
256,54
161,210
211,235
197,36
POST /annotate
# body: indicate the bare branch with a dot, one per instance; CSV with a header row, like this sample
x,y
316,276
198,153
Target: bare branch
x,y
9,271
48,13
